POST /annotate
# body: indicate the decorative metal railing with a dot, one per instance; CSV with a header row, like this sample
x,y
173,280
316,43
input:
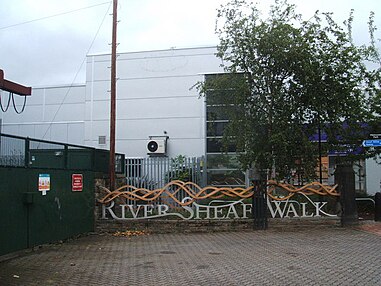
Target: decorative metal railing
x,y
275,190
287,190
172,189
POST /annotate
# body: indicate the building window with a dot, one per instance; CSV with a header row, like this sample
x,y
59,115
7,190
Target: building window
x,y
102,140
223,167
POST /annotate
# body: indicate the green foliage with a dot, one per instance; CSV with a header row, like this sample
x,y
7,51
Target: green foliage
x,y
179,170
373,55
288,78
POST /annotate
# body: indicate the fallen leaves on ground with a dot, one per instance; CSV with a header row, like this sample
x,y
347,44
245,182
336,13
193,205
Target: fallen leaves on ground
x,y
129,233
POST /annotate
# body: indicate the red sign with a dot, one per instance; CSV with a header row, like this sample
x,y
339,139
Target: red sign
x,y
77,182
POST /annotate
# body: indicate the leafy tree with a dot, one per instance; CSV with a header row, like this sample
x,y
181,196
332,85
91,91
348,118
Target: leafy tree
x,y
374,57
288,79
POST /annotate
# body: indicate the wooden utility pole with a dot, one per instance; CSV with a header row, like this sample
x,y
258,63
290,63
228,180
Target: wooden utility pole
x,y
113,96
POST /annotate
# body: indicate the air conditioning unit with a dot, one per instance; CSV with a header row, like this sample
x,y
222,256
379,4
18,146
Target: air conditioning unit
x,y
157,146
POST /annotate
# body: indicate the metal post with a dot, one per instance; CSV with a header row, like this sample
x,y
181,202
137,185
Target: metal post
x,y
345,178
27,153
320,154
113,97
66,156
377,207
259,207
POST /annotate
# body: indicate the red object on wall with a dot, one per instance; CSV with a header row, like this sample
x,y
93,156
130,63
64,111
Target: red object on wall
x,y
77,182
13,87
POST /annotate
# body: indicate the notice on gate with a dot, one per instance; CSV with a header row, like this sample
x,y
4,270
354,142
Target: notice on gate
x,y
44,183
77,182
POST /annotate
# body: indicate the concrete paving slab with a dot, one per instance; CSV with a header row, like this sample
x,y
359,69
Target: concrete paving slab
x,y
324,256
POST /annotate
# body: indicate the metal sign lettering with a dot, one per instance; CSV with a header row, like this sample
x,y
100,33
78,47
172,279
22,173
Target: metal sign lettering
x,y
214,210
185,201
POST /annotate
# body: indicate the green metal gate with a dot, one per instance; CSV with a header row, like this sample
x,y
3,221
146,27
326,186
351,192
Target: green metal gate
x,y
13,215
46,190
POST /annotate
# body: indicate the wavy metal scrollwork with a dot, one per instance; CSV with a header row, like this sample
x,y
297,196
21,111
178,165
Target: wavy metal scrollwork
x,y
308,189
171,189
195,192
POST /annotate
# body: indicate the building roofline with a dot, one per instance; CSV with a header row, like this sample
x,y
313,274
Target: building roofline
x,y
158,50
64,85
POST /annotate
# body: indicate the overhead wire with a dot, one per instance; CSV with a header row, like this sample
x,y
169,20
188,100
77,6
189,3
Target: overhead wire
x,y
12,95
55,15
78,71
5,109
14,104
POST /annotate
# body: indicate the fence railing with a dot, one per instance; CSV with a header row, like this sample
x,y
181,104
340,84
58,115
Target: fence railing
x,y
17,151
12,151
155,172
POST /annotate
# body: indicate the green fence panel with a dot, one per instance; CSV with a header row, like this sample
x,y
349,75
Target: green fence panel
x,y
47,158
101,161
30,216
40,201
13,210
80,159
60,212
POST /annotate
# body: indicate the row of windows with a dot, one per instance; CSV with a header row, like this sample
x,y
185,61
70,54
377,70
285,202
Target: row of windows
x,y
223,168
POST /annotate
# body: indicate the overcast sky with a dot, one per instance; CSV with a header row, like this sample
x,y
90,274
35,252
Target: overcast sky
x,y
51,50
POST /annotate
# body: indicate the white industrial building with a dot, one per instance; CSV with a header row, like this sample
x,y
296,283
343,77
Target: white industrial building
x,y
156,99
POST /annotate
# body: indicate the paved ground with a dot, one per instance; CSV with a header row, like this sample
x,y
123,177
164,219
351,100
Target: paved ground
x,y
324,256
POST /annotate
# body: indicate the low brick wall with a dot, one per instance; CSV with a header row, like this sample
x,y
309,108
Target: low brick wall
x,y
174,226
186,226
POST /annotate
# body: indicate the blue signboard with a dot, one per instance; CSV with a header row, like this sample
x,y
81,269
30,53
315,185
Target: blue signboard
x,y
372,143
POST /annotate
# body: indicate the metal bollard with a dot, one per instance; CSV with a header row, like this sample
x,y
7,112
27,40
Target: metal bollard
x,y
377,206
345,178
259,207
